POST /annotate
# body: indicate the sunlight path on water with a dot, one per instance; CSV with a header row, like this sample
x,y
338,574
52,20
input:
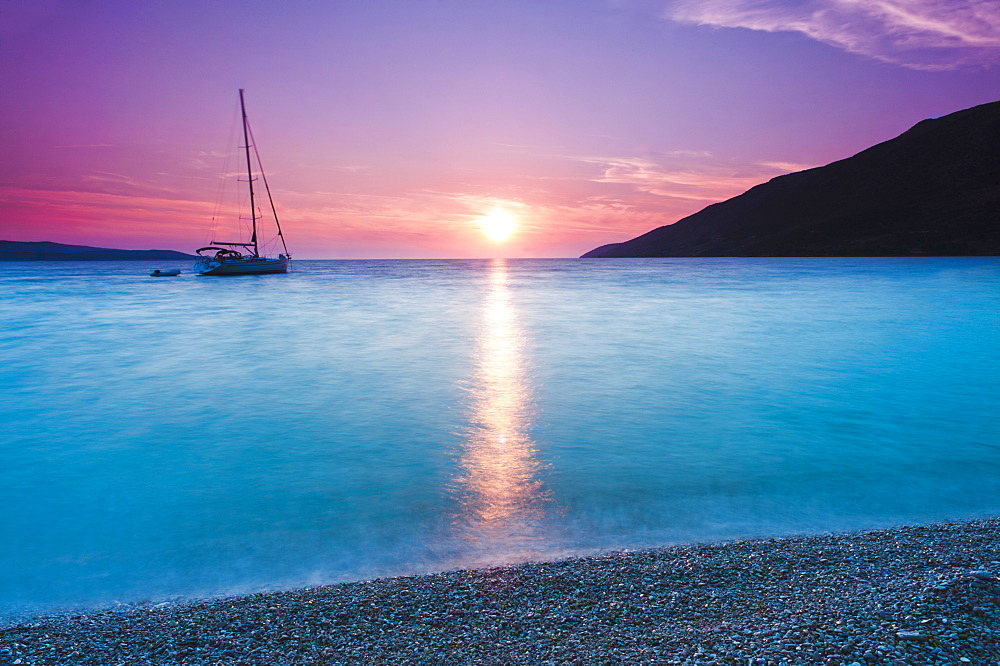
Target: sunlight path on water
x,y
501,495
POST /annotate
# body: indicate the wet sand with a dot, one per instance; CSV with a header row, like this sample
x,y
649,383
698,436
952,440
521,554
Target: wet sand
x,y
911,595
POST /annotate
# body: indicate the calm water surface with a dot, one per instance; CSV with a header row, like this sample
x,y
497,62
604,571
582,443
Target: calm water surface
x,y
175,437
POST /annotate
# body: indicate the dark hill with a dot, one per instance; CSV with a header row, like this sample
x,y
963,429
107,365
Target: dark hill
x,y
933,190
46,251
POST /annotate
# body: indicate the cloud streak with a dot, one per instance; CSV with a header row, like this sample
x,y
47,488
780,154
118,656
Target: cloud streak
x,y
698,178
96,218
918,34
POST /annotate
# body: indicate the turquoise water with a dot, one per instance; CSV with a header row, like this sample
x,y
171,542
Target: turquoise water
x,y
174,437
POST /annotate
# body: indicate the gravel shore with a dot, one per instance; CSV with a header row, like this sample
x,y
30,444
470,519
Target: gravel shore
x,y
914,595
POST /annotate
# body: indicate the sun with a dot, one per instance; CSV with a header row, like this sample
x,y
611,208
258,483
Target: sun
x,y
498,225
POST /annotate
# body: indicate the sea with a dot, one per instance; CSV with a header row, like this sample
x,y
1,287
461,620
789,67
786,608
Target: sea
x,y
185,437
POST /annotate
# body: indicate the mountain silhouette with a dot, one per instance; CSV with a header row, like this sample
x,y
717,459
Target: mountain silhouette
x,y
933,190
49,251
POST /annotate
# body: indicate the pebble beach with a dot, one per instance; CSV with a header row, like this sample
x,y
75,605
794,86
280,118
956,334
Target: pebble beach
x,y
905,596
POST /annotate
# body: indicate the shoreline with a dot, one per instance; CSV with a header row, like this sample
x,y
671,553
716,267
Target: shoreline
x,y
924,594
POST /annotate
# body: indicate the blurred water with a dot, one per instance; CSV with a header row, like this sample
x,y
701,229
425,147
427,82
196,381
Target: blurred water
x,y
188,436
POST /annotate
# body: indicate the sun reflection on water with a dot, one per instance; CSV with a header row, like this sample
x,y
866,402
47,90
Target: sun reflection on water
x,y
502,500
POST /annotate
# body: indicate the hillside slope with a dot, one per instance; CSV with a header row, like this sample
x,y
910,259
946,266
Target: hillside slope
x,y
933,190
48,251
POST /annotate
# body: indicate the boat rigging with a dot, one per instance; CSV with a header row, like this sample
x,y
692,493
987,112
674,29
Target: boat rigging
x,y
245,258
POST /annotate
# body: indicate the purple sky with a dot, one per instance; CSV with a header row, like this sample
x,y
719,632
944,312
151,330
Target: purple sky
x,y
390,129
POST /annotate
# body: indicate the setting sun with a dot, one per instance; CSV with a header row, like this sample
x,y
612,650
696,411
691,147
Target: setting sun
x,y
498,225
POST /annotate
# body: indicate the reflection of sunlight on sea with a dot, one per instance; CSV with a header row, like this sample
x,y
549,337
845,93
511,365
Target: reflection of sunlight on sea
x,y
500,495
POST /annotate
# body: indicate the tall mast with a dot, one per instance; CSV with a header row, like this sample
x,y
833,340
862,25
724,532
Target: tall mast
x,y
246,145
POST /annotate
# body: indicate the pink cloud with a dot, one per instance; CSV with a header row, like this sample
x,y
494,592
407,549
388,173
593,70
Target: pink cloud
x,y
696,177
98,218
918,34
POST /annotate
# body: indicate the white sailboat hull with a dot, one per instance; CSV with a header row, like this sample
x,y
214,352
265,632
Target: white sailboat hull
x,y
243,266
246,258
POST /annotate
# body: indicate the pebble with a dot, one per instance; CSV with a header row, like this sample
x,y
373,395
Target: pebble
x,y
912,635
913,596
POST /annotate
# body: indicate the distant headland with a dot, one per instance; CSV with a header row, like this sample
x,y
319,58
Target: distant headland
x,y
932,191
47,251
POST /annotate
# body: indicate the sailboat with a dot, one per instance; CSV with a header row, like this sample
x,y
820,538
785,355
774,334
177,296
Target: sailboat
x,y
245,258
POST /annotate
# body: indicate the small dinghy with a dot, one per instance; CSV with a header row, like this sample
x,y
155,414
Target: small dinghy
x,y
169,272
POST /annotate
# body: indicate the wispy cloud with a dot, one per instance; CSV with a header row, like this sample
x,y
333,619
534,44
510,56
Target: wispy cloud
x,y
700,178
118,183
919,34
88,217
86,146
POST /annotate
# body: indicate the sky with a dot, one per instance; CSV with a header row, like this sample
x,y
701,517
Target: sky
x,y
408,128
